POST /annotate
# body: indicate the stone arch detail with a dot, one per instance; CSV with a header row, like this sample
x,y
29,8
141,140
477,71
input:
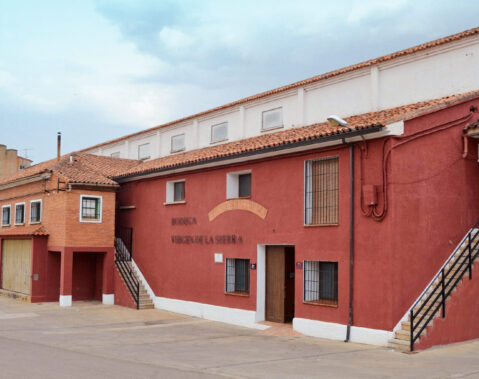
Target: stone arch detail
x,y
236,205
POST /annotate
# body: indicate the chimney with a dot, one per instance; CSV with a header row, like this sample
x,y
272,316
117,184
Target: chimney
x,y
59,144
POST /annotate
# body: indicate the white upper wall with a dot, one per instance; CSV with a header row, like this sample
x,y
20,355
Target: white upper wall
x,y
432,73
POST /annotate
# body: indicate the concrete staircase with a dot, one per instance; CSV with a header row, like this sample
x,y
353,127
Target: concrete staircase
x,y
145,301
456,266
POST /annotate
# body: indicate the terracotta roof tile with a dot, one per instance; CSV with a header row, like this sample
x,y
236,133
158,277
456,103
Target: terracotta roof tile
x,y
31,230
294,135
368,63
85,168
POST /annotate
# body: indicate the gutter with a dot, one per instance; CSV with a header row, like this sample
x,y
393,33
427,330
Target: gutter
x,y
253,155
26,180
351,239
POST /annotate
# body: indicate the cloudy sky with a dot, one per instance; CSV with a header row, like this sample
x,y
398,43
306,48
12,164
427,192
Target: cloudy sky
x,y
100,69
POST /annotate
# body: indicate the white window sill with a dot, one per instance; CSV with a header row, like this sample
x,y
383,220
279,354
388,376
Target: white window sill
x,y
35,222
175,202
176,151
20,224
5,225
93,221
270,129
219,141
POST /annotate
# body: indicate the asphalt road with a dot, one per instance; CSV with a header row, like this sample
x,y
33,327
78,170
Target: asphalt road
x,y
90,340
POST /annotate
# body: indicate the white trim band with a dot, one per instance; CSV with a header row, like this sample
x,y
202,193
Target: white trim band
x,y
108,299
65,300
337,332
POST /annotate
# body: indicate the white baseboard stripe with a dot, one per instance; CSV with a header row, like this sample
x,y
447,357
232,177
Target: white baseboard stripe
x,y
65,300
337,332
234,316
108,299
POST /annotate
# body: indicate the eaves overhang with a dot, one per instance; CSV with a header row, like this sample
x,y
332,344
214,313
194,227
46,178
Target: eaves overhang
x,y
26,180
373,131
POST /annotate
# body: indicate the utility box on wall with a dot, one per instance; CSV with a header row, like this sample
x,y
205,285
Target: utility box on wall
x,y
370,194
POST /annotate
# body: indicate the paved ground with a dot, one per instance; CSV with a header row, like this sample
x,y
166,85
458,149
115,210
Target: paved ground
x,y
94,341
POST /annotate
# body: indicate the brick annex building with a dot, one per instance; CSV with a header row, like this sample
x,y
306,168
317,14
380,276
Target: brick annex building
x,y
263,210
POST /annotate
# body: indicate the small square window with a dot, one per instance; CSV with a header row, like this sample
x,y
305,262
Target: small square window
x,y
20,214
6,214
219,132
244,185
90,208
321,282
179,191
178,143
144,151
273,119
237,276
116,154
35,211
175,192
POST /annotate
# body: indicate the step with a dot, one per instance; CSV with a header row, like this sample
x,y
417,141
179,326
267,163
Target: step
x,y
404,335
398,344
147,306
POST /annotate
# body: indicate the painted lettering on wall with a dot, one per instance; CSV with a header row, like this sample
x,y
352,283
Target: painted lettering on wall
x,y
223,239
183,221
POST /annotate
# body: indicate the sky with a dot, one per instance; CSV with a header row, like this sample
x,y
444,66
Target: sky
x,y
99,69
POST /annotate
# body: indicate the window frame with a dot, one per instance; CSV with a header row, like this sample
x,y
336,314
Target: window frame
x,y
309,195
24,214
170,192
322,301
213,141
91,220
280,126
9,206
184,143
247,277
41,211
149,151
232,184
117,154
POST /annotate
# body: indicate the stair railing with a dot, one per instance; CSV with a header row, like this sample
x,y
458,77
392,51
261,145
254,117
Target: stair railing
x,y
443,283
123,262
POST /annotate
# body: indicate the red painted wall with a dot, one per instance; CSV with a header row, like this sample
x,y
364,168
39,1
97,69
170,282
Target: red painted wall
x,y
394,259
122,294
86,283
460,323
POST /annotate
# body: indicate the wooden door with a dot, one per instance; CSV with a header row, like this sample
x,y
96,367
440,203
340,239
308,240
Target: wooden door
x,y
17,265
275,283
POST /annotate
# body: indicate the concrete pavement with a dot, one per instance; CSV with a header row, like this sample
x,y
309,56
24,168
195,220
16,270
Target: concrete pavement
x,y
90,340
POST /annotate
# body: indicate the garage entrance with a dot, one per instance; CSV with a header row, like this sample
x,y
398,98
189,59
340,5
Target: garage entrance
x,y
17,265
279,283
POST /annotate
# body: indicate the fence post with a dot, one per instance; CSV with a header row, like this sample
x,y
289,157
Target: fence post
x,y
470,257
443,295
411,327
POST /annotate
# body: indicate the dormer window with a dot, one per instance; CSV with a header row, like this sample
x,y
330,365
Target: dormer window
x,y
178,143
272,119
219,132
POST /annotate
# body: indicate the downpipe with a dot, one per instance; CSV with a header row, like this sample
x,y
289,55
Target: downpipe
x,y
351,239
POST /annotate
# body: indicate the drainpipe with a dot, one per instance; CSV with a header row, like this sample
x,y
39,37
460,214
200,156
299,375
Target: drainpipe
x,y
351,238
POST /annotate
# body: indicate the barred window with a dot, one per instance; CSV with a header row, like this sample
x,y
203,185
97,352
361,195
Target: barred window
x,y
321,282
90,208
237,276
322,191
36,211
20,213
6,209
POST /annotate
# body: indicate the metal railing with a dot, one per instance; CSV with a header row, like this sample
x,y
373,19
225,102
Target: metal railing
x,y
126,236
435,295
123,262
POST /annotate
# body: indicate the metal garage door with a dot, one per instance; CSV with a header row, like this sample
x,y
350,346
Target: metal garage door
x,y
17,265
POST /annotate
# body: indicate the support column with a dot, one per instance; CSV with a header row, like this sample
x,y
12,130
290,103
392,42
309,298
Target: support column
x,y
108,296
66,277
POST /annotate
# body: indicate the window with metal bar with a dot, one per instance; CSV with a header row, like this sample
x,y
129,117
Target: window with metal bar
x,y
322,191
320,282
20,213
90,208
6,215
36,211
237,276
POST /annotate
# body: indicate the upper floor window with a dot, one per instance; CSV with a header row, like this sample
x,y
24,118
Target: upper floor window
x,y
6,215
322,191
238,184
219,132
90,208
272,119
116,154
20,214
35,211
175,191
178,143
144,151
